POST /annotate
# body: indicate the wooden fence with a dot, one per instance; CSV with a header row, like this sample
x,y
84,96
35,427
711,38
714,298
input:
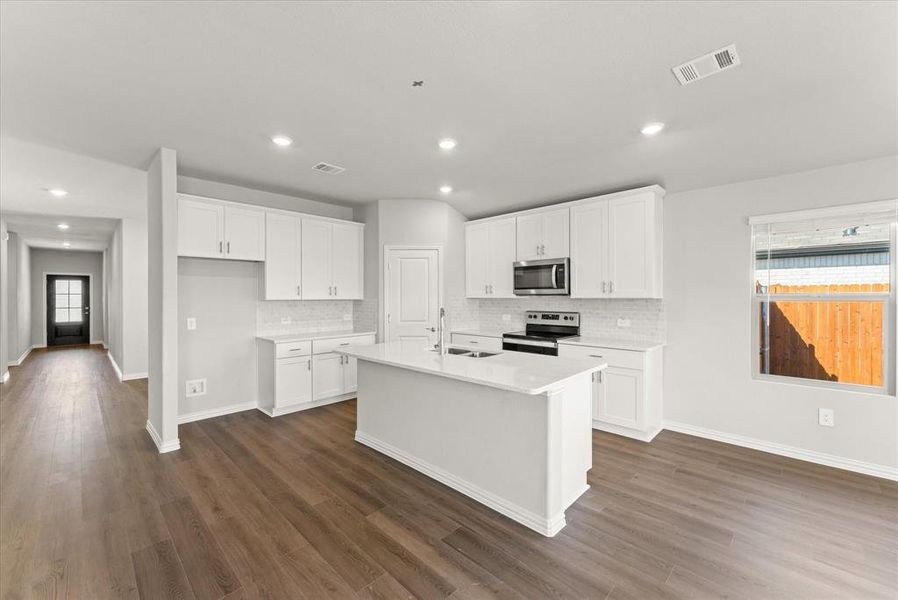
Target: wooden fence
x,y
832,341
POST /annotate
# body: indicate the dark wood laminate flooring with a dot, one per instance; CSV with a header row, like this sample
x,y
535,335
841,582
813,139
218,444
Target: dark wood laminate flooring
x,y
292,507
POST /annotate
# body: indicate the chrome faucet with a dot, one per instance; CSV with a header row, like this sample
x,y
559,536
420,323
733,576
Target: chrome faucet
x,y
440,346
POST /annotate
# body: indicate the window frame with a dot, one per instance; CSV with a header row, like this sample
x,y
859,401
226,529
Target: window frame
x,y
890,332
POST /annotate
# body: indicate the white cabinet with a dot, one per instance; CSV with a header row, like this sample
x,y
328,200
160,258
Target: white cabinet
x,y
616,247
332,260
489,259
544,234
283,251
328,375
627,395
214,229
293,381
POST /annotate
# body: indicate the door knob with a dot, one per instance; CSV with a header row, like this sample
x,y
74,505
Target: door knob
x,y
430,329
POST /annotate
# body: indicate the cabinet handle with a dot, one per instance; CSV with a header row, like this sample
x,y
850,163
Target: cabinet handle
x,y
220,249
330,290
600,376
542,249
486,289
611,286
229,247
335,290
295,349
597,356
299,290
309,362
537,250
604,287
472,342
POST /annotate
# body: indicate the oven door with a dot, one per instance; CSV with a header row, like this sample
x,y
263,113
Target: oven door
x,y
542,277
531,346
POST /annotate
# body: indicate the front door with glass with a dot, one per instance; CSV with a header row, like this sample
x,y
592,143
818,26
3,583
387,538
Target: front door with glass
x,y
68,309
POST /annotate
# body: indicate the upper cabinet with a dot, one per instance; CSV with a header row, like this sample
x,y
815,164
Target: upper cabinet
x,y
332,260
616,246
283,256
489,256
214,229
544,234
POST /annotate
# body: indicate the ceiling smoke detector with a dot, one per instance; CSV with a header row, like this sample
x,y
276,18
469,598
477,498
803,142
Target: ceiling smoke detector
x,y
707,65
328,168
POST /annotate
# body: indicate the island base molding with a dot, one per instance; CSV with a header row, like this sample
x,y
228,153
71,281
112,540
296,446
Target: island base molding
x,y
546,527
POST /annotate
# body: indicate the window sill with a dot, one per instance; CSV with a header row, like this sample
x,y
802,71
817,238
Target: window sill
x,y
852,388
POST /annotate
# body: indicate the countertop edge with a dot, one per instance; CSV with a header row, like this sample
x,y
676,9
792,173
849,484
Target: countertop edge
x,y
301,337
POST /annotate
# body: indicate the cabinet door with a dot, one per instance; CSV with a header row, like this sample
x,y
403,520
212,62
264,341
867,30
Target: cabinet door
x,y
316,260
244,233
200,228
477,244
620,397
293,381
529,237
283,235
327,375
589,249
350,375
556,234
630,253
501,257
346,261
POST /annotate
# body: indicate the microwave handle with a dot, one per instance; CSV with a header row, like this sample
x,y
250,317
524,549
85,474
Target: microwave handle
x,y
554,277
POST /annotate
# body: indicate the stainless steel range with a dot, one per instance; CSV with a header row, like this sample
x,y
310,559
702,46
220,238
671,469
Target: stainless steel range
x,y
543,330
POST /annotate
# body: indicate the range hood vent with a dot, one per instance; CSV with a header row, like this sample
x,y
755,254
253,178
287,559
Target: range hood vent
x,y
329,168
707,65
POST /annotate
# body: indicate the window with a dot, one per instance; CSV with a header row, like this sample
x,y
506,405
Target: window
x,y
823,287
68,301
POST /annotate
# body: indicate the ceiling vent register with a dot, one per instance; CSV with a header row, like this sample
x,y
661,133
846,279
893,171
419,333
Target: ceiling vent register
x,y
707,65
328,168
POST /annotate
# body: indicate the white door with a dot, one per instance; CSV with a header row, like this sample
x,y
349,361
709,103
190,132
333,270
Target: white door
x,y
283,277
477,248
620,400
501,257
412,283
346,261
589,243
530,237
327,375
200,228
556,234
629,271
293,381
316,260
244,233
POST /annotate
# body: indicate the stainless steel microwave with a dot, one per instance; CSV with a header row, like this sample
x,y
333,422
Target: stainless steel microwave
x,y
544,277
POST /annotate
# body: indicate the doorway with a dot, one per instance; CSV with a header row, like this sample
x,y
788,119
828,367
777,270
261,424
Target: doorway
x,y
68,309
413,292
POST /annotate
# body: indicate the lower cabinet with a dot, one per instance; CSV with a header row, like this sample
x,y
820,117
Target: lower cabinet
x,y
626,395
295,375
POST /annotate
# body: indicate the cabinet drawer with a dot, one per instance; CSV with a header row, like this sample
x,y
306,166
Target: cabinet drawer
x,y
479,341
322,346
626,359
289,349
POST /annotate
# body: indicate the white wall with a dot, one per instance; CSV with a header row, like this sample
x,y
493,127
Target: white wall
x,y
19,297
707,366
113,271
4,309
134,298
44,262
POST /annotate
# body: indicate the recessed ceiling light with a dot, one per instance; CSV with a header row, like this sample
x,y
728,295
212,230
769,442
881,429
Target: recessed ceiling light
x,y
447,143
652,128
446,189
66,245
58,192
63,226
281,140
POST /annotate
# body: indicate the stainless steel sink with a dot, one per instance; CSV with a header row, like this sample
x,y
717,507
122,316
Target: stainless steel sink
x,y
471,353
462,351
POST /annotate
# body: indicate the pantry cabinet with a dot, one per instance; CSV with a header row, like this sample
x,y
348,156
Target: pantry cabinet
x,y
544,234
209,228
489,259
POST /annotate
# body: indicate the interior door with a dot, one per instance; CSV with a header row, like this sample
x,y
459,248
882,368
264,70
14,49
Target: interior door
x,y
413,296
346,253
556,234
200,228
283,275
477,247
628,252
317,283
68,309
589,242
530,237
501,258
244,233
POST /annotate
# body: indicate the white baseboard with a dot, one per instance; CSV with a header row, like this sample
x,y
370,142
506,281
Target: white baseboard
x,y
636,434
547,527
277,412
98,343
820,458
130,376
118,371
169,446
5,377
199,415
21,359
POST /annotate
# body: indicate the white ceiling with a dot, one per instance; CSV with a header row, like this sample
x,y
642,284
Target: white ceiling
x,y
545,99
39,231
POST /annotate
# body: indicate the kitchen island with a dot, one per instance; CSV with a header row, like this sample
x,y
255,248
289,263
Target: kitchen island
x,y
510,430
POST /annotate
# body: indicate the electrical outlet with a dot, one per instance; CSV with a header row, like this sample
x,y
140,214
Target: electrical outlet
x,y
347,317
196,387
826,417
286,320
191,323
623,322
506,317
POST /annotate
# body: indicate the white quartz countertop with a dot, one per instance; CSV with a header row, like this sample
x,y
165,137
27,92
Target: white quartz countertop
x,y
514,371
615,343
321,335
485,332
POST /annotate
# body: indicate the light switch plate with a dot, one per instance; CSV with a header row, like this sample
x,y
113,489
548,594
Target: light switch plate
x,y
623,323
826,417
191,323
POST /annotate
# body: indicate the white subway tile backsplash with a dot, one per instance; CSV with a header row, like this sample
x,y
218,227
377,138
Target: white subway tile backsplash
x,y
309,316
